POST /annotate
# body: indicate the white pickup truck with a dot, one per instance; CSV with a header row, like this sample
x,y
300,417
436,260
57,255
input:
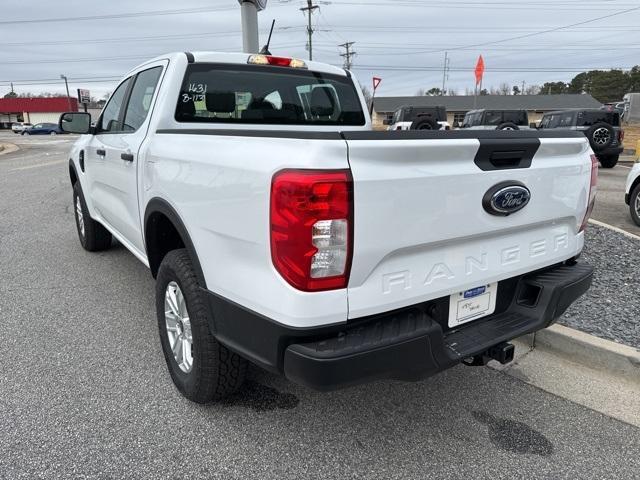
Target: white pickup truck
x,y
283,231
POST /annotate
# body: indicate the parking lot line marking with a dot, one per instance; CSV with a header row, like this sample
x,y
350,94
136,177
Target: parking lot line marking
x,y
38,165
624,166
615,229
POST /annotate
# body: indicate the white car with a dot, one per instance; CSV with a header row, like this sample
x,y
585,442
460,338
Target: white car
x,y
283,231
632,192
19,127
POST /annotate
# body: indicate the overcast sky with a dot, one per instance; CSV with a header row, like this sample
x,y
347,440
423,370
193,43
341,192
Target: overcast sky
x,y
402,41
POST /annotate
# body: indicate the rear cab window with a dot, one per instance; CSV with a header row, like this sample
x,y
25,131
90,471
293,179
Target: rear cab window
x,y
248,94
587,119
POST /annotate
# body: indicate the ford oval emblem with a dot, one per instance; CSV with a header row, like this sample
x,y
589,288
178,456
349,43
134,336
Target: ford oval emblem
x,y
506,198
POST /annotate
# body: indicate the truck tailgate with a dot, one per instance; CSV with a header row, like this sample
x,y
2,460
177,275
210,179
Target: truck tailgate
x,y
420,228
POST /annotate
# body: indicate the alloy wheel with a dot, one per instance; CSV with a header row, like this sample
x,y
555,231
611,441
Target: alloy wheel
x,y
178,327
80,216
601,136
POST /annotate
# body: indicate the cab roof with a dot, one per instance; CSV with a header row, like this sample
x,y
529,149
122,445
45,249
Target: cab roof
x,y
236,58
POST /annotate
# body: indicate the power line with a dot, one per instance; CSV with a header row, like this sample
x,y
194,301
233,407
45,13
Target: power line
x,y
141,38
309,10
348,55
551,30
117,15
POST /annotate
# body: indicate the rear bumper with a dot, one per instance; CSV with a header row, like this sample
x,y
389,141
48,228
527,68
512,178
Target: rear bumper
x,y
409,344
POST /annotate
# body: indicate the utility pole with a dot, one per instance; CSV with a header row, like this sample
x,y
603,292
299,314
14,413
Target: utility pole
x,y
348,54
309,10
66,84
445,72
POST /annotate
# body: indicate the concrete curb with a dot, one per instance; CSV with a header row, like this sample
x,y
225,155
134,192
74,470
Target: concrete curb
x,y
590,351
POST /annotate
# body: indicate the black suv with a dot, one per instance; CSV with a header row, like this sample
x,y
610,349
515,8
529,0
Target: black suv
x,y
419,118
601,127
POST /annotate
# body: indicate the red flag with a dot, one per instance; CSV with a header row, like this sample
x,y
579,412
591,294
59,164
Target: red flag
x,y
376,82
479,70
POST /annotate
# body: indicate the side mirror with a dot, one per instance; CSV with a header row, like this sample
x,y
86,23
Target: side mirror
x,y
533,125
75,122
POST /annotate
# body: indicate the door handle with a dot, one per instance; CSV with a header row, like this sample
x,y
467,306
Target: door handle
x,y
101,152
127,156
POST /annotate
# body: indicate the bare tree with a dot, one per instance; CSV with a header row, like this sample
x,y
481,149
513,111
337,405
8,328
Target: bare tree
x,y
504,89
532,90
367,94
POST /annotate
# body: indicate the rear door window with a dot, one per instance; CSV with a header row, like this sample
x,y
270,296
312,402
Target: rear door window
x,y
492,118
241,94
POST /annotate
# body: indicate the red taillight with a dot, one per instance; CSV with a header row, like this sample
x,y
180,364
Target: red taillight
x,y
620,136
592,192
312,227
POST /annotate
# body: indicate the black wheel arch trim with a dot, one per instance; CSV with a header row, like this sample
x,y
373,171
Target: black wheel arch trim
x,y
159,205
73,172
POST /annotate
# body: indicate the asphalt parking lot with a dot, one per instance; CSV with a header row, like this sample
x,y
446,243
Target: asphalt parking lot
x,y
84,392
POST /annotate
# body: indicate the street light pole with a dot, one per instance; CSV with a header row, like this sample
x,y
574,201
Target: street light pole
x,y
66,84
249,17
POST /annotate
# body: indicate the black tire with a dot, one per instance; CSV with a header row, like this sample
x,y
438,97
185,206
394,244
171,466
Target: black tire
x,y
507,126
424,123
600,136
608,161
25,133
634,205
95,237
216,372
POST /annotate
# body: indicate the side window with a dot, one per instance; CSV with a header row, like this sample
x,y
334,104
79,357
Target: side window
x,y
140,99
566,120
110,120
517,117
493,118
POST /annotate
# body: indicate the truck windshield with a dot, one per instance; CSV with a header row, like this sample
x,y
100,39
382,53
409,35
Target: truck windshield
x,y
214,93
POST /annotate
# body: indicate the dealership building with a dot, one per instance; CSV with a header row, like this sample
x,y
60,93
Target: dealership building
x,y
458,105
34,109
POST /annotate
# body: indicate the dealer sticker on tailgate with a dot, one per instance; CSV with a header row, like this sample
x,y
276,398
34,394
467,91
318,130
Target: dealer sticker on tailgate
x,y
472,304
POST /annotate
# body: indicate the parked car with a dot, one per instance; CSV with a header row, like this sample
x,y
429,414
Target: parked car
x,y
615,107
282,230
496,120
19,127
601,127
43,129
420,118
632,192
